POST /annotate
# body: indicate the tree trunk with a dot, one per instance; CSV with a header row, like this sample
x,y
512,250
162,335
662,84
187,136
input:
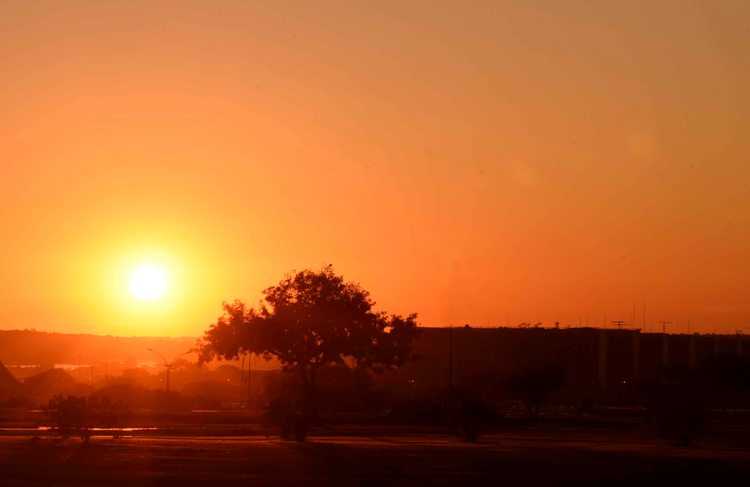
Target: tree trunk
x,y
309,413
309,390
312,395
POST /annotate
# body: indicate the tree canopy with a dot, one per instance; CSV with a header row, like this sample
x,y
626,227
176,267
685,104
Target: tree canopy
x,y
309,320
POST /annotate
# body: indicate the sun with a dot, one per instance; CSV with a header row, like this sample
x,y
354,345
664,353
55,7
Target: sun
x,y
148,282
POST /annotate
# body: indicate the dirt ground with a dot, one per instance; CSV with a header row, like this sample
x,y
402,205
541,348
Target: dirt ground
x,y
533,457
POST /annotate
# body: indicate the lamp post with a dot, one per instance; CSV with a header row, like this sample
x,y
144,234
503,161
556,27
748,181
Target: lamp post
x,y
168,365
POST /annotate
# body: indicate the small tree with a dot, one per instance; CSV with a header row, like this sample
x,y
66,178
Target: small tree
x,y
476,416
310,320
74,414
727,375
679,402
535,384
69,415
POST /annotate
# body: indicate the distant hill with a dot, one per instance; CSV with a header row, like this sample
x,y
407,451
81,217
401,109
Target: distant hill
x,y
41,387
7,381
9,386
30,347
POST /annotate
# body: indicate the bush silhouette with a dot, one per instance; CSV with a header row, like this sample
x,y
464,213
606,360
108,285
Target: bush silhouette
x,y
476,418
727,376
78,415
535,384
69,415
676,397
681,405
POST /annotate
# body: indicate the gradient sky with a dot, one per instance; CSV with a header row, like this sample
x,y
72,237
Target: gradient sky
x,y
474,162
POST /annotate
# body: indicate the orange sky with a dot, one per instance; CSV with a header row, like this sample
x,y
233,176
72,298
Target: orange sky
x,y
465,160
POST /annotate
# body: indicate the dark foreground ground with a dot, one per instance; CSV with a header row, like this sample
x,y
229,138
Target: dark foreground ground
x,y
541,456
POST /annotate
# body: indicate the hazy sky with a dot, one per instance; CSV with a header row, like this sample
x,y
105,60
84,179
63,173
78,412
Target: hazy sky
x,y
469,161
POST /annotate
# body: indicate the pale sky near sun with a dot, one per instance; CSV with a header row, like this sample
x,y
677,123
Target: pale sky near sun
x,y
474,162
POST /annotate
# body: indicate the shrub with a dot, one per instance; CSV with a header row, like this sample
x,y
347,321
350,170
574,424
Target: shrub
x,y
69,415
476,418
78,415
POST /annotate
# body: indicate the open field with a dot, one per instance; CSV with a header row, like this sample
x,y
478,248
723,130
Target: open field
x,y
541,456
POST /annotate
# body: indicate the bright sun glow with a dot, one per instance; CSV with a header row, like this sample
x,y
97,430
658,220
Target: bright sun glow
x,y
148,282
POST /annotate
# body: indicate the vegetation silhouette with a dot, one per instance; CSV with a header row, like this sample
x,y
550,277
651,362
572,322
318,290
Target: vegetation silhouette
x,y
308,321
727,376
69,415
681,409
475,415
79,414
457,410
535,384
677,398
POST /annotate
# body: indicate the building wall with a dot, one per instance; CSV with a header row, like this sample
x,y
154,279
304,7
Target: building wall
x,y
598,362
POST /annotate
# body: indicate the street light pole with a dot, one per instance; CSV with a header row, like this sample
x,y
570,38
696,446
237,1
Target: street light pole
x,y
168,365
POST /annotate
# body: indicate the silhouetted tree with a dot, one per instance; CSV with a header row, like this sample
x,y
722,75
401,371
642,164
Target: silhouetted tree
x,y
475,416
69,415
78,414
678,398
728,375
535,384
310,320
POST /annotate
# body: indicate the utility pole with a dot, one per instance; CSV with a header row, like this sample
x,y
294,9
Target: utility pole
x,y
664,343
